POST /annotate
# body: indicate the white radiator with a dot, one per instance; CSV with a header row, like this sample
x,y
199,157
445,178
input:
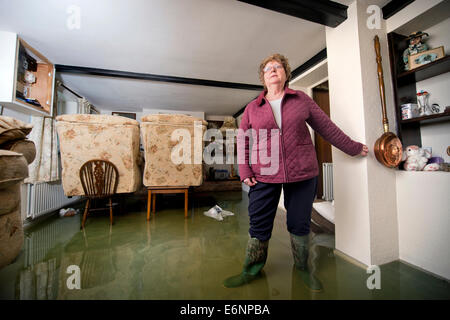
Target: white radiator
x,y
46,197
327,169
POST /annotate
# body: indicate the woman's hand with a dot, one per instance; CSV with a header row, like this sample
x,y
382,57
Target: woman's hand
x,y
250,181
364,151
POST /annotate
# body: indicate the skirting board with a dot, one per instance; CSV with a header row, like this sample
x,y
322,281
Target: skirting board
x,y
350,259
424,270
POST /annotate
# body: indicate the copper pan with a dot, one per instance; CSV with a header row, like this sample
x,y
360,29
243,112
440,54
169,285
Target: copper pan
x,y
388,148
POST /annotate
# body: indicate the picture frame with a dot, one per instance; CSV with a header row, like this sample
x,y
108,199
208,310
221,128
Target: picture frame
x,y
425,57
125,114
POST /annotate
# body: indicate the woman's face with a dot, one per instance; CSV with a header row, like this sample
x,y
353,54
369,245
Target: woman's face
x,y
274,73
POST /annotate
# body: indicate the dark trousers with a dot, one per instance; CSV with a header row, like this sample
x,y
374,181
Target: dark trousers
x,y
263,204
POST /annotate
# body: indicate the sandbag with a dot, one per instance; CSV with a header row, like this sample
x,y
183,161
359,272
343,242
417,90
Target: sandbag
x,y
25,147
9,199
13,168
11,237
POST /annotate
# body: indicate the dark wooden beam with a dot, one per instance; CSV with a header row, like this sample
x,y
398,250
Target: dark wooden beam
x,y
241,111
71,91
154,77
322,55
394,6
325,12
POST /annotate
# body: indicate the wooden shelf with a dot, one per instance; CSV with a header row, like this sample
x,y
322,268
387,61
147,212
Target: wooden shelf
x,y
24,107
428,119
429,70
405,89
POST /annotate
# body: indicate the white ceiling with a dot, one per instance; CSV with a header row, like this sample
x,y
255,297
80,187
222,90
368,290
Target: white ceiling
x,y
222,40
134,95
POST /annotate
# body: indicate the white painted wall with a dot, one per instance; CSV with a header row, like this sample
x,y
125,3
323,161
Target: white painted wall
x,y
364,190
424,220
439,36
8,41
381,180
437,136
352,221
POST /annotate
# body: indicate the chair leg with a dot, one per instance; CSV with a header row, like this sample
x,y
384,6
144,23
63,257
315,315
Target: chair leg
x,y
86,210
149,197
185,204
110,212
154,203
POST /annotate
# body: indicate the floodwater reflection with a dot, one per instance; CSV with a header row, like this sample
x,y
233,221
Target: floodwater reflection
x,y
170,257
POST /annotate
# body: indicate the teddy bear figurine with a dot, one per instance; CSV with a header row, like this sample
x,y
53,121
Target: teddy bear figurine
x,y
416,158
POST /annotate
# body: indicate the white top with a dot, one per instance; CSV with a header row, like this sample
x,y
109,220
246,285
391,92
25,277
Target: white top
x,y
276,109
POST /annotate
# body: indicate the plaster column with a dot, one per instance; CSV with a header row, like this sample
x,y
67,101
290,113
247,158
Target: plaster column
x,y
364,190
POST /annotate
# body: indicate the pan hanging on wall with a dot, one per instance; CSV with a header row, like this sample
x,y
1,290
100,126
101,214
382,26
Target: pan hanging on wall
x,y
388,147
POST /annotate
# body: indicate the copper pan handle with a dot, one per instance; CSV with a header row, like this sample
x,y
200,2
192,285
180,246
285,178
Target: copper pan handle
x,y
381,84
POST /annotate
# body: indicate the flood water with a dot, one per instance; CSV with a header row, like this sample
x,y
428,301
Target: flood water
x,y
172,258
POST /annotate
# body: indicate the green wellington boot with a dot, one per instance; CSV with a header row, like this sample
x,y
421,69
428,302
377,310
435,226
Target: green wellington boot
x,y
300,251
255,258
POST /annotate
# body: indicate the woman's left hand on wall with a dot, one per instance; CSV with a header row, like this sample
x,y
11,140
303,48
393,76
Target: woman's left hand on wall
x,y
365,151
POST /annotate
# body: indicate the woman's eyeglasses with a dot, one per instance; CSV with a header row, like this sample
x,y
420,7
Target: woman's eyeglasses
x,y
276,67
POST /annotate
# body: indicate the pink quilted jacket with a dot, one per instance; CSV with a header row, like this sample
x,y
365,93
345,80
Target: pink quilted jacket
x,y
286,155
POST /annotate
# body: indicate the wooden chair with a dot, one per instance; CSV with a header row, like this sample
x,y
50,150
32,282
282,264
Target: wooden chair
x,y
99,179
153,191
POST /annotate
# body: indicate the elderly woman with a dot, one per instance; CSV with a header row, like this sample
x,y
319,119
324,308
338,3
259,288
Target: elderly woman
x,y
293,167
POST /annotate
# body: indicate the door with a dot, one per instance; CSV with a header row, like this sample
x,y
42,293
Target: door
x,y
323,148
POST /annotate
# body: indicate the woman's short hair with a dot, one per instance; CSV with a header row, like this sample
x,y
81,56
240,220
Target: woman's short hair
x,y
279,58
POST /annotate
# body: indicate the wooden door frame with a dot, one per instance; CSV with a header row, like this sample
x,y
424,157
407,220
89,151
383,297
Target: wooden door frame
x,y
323,148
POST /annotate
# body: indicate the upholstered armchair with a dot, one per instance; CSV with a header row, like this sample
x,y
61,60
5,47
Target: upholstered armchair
x,y
159,140
173,146
85,137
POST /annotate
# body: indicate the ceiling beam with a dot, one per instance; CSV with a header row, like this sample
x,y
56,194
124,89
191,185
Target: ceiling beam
x,y
154,77
322,55
394,6
319,57
59,83
328,13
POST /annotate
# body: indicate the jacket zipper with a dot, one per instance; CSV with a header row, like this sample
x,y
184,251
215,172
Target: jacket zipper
x,y
281,138
280,135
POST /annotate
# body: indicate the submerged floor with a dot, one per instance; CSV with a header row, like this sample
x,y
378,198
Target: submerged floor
x,y
174,258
